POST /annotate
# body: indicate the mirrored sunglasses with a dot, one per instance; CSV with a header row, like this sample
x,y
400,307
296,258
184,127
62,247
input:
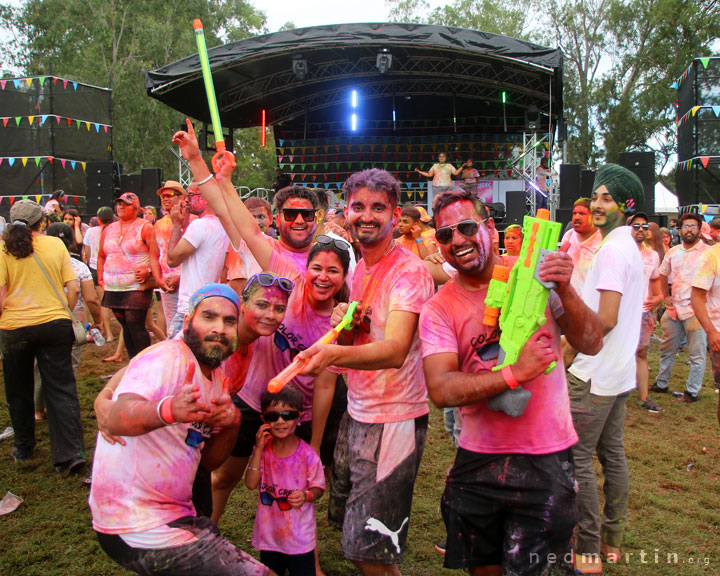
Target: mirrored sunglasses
x,y
467,228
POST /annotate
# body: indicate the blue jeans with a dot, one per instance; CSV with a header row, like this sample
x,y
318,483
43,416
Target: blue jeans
x,y
452,424
176,325
673,333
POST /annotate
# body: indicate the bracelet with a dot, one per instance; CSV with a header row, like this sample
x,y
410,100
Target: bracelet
x,y
165,413
253,468
204,181
308,496
509,378
418,241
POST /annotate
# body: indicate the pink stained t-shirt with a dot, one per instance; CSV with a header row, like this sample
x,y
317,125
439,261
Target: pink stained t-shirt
x,y
298,259
287,531
707,277
399,282
125,252
300,328
651,267
451,323
581,254
680,265
148,482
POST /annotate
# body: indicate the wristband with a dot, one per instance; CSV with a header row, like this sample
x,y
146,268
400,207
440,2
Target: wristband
x,y
509,378
204,180
418,241
164,411
308,496
253,468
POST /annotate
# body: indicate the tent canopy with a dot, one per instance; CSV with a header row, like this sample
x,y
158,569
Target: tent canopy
x,y
435,71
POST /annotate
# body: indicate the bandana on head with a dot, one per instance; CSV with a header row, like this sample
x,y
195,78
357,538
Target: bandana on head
x,y
211,290
624,186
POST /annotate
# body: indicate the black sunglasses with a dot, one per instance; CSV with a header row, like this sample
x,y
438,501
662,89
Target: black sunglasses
x,y
324,239
287,415
291,214
638,226
266,280
467,228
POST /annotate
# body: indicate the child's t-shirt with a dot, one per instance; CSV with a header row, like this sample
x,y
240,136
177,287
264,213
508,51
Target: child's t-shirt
x,y
287,531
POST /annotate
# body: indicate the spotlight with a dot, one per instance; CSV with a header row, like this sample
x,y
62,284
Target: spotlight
x,y
299,67
383,61
532,118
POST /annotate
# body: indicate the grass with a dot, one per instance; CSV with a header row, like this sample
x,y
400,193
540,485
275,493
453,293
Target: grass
x,y
673,509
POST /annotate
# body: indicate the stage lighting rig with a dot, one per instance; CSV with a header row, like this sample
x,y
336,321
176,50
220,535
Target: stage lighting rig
x,y
383,61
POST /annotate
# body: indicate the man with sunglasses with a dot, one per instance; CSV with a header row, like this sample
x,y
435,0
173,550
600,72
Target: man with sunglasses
x,y
652,298
199,250
382,435
509,499
678,268
296,223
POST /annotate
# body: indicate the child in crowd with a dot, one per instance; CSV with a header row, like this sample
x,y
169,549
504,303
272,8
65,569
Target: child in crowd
x,y
513,243
290,477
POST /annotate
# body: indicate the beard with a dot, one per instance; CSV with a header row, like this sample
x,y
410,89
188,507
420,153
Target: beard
x,y
204,350
298,243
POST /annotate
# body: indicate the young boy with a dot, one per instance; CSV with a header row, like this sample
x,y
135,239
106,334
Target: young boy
x,y
513,243
412,233
290,477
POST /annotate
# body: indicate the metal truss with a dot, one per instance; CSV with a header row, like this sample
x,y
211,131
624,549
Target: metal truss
x,y
184,174
525,167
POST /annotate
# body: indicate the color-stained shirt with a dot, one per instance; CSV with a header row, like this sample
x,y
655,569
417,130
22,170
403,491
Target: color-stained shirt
x,y
398,282
299,330
240,262
91,239
148,482
651,271
446,327
581,254
617,267
680,265
30,300
125,251
412,245
707,277
442,174
287,531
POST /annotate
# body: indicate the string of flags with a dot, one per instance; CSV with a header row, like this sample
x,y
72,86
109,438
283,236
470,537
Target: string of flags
x,y
435,139
17,83
705,61
702,160
694,110
40,120
24,160
38,198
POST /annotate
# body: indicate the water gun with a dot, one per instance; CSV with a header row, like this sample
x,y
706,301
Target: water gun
x,y
210,91
293,369
517,300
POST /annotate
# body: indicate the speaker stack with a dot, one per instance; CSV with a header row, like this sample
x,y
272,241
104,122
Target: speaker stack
x,y
101,180
642,164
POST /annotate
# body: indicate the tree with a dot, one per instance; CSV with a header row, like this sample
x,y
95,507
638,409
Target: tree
x,y
113,43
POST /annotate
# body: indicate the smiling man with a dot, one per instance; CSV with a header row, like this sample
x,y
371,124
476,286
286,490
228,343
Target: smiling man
x,y
600,384
509,500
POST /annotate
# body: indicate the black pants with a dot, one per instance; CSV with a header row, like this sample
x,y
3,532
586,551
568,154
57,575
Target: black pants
x,y
51,343
135,335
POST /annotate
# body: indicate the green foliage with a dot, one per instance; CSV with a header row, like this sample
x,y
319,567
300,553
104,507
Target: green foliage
x,y
113,43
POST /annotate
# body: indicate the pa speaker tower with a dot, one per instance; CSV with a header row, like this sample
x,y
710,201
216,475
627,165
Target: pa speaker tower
x,y
642,164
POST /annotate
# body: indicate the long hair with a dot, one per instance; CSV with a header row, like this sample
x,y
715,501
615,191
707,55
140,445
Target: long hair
x,y
656,241
342,295
18,239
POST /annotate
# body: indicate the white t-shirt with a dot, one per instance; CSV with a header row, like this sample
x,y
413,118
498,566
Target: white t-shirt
x,y
617,267
204,265
92,240
83,275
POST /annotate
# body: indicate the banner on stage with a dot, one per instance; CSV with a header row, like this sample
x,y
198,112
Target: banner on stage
x,y
485,191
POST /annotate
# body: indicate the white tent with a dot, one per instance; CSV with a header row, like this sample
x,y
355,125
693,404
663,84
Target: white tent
x,y
665,201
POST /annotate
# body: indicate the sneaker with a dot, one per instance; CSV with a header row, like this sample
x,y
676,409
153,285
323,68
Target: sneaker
x,y
687,398
74,466
658,389
9,432
650,406
440,546
20,455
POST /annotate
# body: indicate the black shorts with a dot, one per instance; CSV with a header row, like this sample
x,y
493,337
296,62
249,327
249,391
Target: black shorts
x,y
513,510
93,273
130,300
297,564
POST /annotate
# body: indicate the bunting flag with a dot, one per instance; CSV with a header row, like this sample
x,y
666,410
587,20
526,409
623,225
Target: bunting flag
x,y
694,111
703,160
42,119
28,81
37,159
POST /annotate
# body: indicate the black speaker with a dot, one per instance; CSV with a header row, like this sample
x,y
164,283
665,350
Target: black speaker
x,y
152,179
131,183
587,178
515,207
643,165
563,215
101,178
569,185
532,118
496,211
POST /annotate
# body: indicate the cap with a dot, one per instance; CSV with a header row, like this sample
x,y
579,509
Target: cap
x,y
26,213
212,290
424,217
172,185
128,198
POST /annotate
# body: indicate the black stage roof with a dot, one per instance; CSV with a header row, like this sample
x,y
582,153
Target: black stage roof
x,y
436,71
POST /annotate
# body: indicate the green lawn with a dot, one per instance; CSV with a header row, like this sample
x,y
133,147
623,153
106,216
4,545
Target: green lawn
x,y
674,510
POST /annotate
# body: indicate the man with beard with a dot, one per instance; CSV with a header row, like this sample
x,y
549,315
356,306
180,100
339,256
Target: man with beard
x,y
173,410
678,268
581,242
509,500
382,434
199,250
296,222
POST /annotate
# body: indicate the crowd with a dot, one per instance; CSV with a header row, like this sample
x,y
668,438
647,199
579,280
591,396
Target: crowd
x,y
240,300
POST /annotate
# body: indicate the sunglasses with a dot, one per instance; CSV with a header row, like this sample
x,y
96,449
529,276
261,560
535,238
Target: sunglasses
x,y
266,280
638,226
689,227
340,244
291,214
287,415
467,228
267,499
172,195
